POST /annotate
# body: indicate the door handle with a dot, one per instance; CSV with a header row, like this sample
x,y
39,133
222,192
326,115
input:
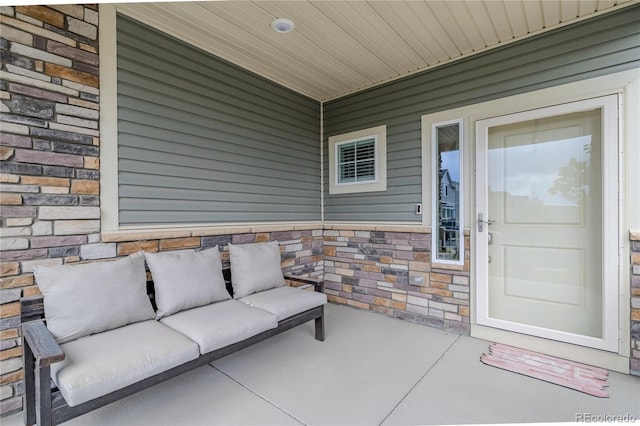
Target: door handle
x,y
481,222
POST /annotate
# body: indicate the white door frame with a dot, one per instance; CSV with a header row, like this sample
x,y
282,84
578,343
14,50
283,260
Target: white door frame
x,y
610,218
627,85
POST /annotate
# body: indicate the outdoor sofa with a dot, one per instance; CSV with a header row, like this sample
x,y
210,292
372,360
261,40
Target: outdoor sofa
x,y
111,332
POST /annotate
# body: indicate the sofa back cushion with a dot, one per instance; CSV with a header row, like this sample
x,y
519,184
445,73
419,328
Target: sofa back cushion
x,y
255,267
186,279
84,299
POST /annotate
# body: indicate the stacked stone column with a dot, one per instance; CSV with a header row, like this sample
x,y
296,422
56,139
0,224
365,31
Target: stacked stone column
x,y
49,147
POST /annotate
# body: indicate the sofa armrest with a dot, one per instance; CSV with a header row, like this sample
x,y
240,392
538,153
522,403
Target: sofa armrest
x,y
40,350
43,345
318,283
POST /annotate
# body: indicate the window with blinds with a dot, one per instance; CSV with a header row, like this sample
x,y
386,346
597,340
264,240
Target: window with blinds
x,y
357,161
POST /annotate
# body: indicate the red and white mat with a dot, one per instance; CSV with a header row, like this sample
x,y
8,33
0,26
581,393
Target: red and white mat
x,y
583,378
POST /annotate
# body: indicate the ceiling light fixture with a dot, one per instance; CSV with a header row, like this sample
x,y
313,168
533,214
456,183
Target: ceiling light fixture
x,y
283,25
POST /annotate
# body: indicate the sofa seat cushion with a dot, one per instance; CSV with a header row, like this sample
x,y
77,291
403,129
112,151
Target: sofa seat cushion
x,y
286,301
105,362
220,324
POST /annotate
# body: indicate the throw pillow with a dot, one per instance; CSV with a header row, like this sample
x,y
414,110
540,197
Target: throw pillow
x,y
84,299
186,279
255,267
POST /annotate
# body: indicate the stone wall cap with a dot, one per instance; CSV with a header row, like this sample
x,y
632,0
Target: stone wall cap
x,y
254,228
415,228
447,266
230,229
220,230
205,231
122,236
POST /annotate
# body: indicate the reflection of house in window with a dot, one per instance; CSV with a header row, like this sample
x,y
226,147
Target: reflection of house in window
x,y
447,241
448,226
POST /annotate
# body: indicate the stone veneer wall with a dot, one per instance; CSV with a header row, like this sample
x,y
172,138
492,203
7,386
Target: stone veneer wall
x,y
49,147
634,362
389,270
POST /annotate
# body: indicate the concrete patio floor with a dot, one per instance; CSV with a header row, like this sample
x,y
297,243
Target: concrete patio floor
x,y
371,370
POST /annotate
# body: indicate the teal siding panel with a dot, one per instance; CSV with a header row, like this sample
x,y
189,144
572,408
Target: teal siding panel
x,y
600,46
203,141
201,133
144,88
166,50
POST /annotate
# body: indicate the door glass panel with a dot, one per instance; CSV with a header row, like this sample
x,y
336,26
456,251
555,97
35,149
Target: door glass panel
x,y
545,196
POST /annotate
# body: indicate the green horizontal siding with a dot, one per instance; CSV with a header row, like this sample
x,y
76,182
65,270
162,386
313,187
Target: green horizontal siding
x,y
603,45
203,141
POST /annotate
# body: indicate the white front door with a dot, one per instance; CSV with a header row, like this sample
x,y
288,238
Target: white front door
x,y
547,222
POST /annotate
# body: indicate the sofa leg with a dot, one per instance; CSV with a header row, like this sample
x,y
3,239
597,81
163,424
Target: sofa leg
x,y
320,327
29,409
43,396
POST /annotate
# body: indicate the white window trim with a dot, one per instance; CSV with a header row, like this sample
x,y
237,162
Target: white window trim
x,y
435,190
109,201
379,134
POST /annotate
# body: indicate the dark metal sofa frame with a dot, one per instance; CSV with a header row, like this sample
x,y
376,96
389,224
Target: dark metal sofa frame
x,y
44,404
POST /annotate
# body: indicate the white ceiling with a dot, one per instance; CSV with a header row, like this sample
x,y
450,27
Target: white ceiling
x,y
339,47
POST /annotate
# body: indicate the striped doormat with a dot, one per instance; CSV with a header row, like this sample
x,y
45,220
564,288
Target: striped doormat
x,y
583,378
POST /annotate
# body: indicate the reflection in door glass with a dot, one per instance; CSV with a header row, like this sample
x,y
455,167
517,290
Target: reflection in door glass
x,y
544,180
447,230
